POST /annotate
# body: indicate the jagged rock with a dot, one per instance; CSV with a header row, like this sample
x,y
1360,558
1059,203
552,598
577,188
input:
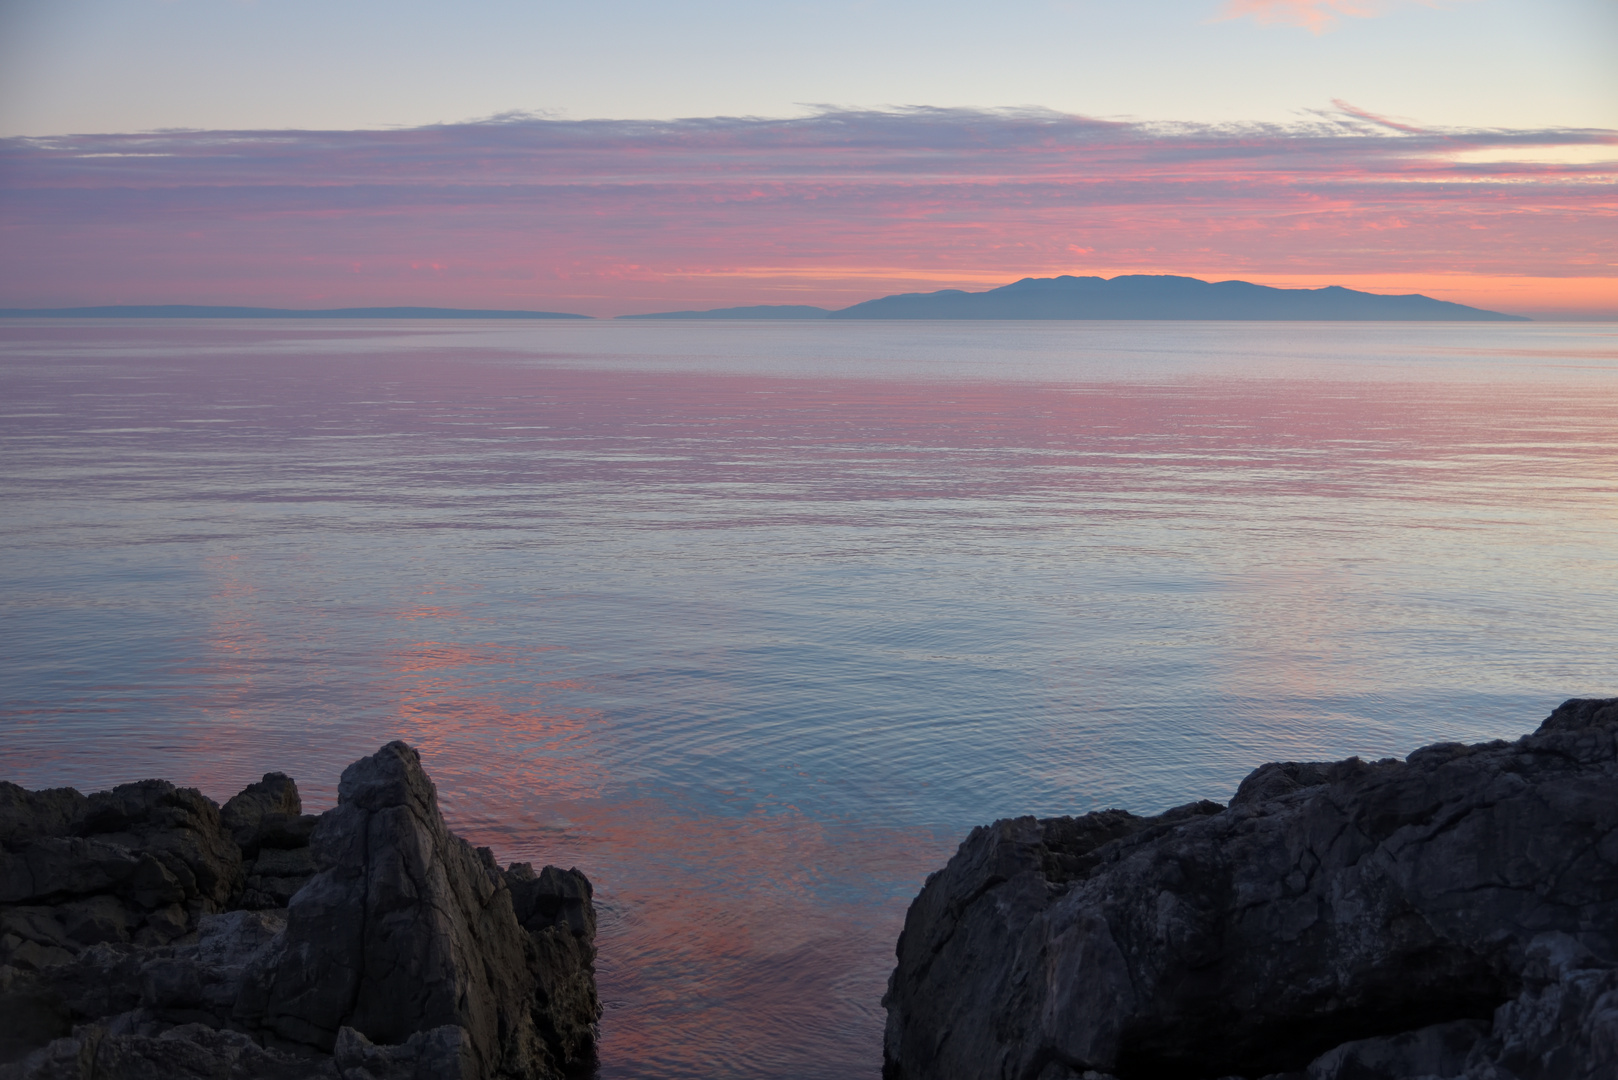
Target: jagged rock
x,y
29,815
405,928
1454,914
128,1050
180,827
139,863
555,907
404,957
427,1055
1440,1050
197,981
266,820
275,797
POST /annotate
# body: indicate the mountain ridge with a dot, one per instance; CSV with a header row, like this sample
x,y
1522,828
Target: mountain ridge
x,y
1133,296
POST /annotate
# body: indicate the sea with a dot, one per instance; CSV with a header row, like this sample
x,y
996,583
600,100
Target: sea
x,y
753,622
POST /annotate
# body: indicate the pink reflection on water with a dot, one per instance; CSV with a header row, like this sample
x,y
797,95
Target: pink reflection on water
x,y
743,935
725,949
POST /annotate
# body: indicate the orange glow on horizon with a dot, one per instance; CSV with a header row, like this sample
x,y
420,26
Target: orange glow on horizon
x,y
608,218
840,286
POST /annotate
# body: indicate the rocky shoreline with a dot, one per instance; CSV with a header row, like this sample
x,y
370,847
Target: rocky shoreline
x,y
1449,916
145,932
1452,915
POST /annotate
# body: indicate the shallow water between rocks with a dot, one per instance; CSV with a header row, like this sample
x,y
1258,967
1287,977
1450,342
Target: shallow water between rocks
x,y
752,623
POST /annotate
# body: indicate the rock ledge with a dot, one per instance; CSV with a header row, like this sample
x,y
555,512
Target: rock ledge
x,y
1453,915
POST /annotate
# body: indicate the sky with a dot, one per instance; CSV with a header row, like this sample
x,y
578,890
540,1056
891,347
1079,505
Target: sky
x,y
621,157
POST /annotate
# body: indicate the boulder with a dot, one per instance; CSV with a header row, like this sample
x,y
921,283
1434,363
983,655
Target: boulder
x,y
1452,914
275,798
267,822
367,944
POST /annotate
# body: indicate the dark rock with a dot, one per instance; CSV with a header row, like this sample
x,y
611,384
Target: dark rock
x,y
28,815
136,864
54,869
32,1015
276,796
553,897
400,953
177,826
1454,914
275,877
405,928
434,1054
98,919
268,823
1440,1050
555,907
185,1052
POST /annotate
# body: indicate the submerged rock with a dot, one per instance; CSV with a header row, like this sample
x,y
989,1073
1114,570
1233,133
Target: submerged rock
x,y
139,936
1451,915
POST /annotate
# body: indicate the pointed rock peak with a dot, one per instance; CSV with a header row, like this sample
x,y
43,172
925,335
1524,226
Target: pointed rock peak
x,y
390,777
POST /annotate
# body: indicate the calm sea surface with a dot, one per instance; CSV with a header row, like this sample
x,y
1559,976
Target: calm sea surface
x,y
752,622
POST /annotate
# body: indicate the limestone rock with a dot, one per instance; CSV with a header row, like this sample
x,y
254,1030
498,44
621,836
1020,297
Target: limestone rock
x,y
274,797
180,827
137,864
29,815
406,928
554,907
440,1053
128,1050
1453,914
400,952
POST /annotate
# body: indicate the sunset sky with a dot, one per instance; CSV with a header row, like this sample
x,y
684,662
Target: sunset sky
x,y
624,157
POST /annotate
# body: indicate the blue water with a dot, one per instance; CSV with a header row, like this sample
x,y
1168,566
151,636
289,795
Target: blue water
x,y
752,622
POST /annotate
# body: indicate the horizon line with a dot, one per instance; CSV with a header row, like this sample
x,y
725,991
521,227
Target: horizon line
x,y
429,312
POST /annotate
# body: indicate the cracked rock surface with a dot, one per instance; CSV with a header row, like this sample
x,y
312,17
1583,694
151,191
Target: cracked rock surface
x,y
145,932
1452,915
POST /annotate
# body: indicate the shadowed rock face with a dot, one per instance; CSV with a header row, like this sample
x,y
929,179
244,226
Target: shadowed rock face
x,y
1454,914
406,928
400,951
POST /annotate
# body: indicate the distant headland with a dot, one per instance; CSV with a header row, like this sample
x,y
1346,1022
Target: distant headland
x,y
1131,296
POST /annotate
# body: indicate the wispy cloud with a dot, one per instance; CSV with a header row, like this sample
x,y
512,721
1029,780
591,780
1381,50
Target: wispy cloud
x,y
614,216
1382,121
1316,16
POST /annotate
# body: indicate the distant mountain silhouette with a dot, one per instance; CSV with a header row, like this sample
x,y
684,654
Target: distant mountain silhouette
x,y
758,311
1141,296
1133,296
197,311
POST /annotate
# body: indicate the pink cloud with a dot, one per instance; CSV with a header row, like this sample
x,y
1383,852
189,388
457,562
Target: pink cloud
x,y
1316,16
1371,117
607,217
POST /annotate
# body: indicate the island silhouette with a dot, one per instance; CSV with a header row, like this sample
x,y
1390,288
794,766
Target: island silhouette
x,y
1130,296
207,311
